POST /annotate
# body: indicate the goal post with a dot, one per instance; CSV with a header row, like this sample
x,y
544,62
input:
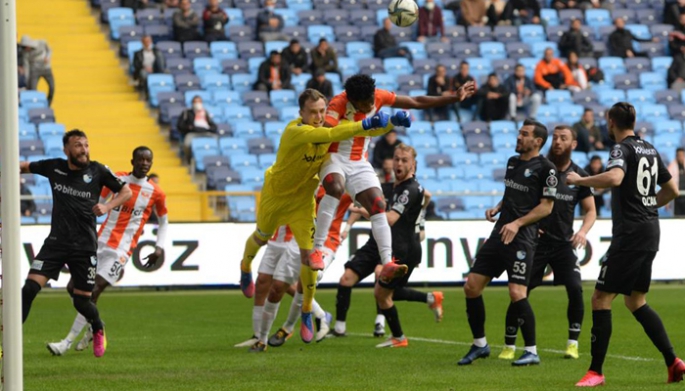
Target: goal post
x,y
12,339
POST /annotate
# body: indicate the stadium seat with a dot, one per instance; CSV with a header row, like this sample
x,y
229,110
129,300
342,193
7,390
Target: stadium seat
x,y
289,113
385,81
231,67
538,48
478,34
263,113
585,97
119,17
492,50
504,67
33,99
282,98
652,81
410,82
506,34
251,175
241,82
456,33
255,98
41,115
668,126
250,49
397,66
653,49
158,32
359,50
640,96
346,33
558,97
274,128
597,17
478,142
570,113
187,82
677,112
362,17
234,114
223,50
495,159
668,141
241,160
505,141
530,33
298,5
503,127
231,145
450,143
666,97
517,50
652,112
438,50
417,49
450,173
266,160
316,32
195,49
224,130
214,82
465,50
27,131
637,64
170,49
548,113
179,66
478,203
50,129
240,33
661,64
610,97
226,97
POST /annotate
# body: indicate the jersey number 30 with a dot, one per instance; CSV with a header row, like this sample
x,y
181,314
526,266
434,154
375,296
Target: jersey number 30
x,y
645,174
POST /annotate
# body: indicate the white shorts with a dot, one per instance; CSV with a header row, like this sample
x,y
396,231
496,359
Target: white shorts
x,y
111,263
359,175
288,270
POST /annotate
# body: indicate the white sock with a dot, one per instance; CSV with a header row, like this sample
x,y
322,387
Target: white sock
x,y
268,316
383,236
380,318
340,327
532,349
79,323
324,217
294,313
572,342
480,342
319,313
257,319
431,299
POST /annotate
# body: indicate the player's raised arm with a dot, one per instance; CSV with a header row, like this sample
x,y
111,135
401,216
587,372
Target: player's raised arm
x,y
428,102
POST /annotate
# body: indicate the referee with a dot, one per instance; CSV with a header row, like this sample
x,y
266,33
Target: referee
x,y
76,186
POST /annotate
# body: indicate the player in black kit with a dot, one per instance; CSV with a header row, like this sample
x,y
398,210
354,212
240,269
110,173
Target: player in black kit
x,y
531,186
405,205
76,186
557,242
634,170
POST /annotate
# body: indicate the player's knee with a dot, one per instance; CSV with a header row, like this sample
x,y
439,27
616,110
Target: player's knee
x,y
517,294
81,302
278,289
378,205
348,279
471,290
332,186
30,290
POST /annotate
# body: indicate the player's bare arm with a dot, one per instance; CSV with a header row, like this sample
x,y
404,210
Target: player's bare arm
x,y
611,178
428,102
668,192
354,217
538,213
579,238
492,212
24,168
122,196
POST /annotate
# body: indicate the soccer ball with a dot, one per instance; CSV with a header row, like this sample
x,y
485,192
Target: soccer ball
x,y
403,12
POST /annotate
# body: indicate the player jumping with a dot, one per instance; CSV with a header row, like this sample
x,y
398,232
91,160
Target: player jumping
x,y
531,186
634,170
348,168
76,186
289,185
557,243
118,237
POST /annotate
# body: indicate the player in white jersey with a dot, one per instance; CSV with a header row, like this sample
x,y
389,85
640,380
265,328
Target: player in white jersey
x,y
118,237
349,169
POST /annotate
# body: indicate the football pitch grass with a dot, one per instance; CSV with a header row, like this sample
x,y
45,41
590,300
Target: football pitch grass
x,y
183,340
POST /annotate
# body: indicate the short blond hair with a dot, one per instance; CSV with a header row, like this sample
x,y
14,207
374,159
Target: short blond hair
x,y
406,148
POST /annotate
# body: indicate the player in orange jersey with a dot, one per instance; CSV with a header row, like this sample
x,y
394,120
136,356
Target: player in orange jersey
x,y
118,237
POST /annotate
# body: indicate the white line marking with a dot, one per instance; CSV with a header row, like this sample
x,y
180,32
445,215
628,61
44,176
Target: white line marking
x,y
459,343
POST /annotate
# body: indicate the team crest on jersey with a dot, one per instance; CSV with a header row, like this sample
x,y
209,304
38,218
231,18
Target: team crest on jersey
x,y
616,153
93,260
404,198
521,255
527,173
552,181
87,178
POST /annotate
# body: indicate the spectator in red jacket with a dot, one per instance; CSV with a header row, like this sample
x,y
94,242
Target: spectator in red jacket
x,y
431,24
214,21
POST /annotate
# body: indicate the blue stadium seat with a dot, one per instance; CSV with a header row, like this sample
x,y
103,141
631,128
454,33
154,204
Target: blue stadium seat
x,y
274,128
41,115
640,96
385,81
610,97
529,63
278,46
347,65
226,97
424,141
195,49
668,141
597,17
359,50
451,143
612,65
289,113
223,50
420,127
239,160
661,64
446,127
480,203
187,82
51,129
548,113
466,159
668,126
251,175
490,186
237,113
52,145
316,32
538,48
230,145
417,49
478,34
652,112
299,5
426,173
506,141
493,159
580,158
215,82
652,81
506,34
492,50
235,16
170,49
118,17
241,82
204,143
558,97
289,16
282,98
397,66
27,131
639,31
266,160
450,173
550,16
570,113
479,66
190,94
530,33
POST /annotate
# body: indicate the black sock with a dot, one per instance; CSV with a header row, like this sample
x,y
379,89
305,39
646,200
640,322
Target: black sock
x,y
342,302
28,293
379,311
408,294
89,311
475,312
655,330
601,334
575,312
393,321
526,320
511,324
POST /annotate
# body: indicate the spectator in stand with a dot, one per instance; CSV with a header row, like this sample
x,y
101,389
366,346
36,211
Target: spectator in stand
x,y
473,13
21,73
186,22
215,20
431,25
385,149
552,74
147,60
676,38
324,57
578,72
522,94
387,173
494,99
295,57
676,72
621,41
672,12
37,58
439,85
589,136
172,3
28,207
495,13
677,170
320,83
136,4
385,44
270,24
459,80
574,41
595,167
195,122
595,4
273,74
522,12
565,4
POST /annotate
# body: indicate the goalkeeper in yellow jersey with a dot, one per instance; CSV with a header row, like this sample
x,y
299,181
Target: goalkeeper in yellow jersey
x,y
290,185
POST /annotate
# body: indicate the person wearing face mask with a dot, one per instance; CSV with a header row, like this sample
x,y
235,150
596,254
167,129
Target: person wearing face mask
x,y
195,122
270,24
431,24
